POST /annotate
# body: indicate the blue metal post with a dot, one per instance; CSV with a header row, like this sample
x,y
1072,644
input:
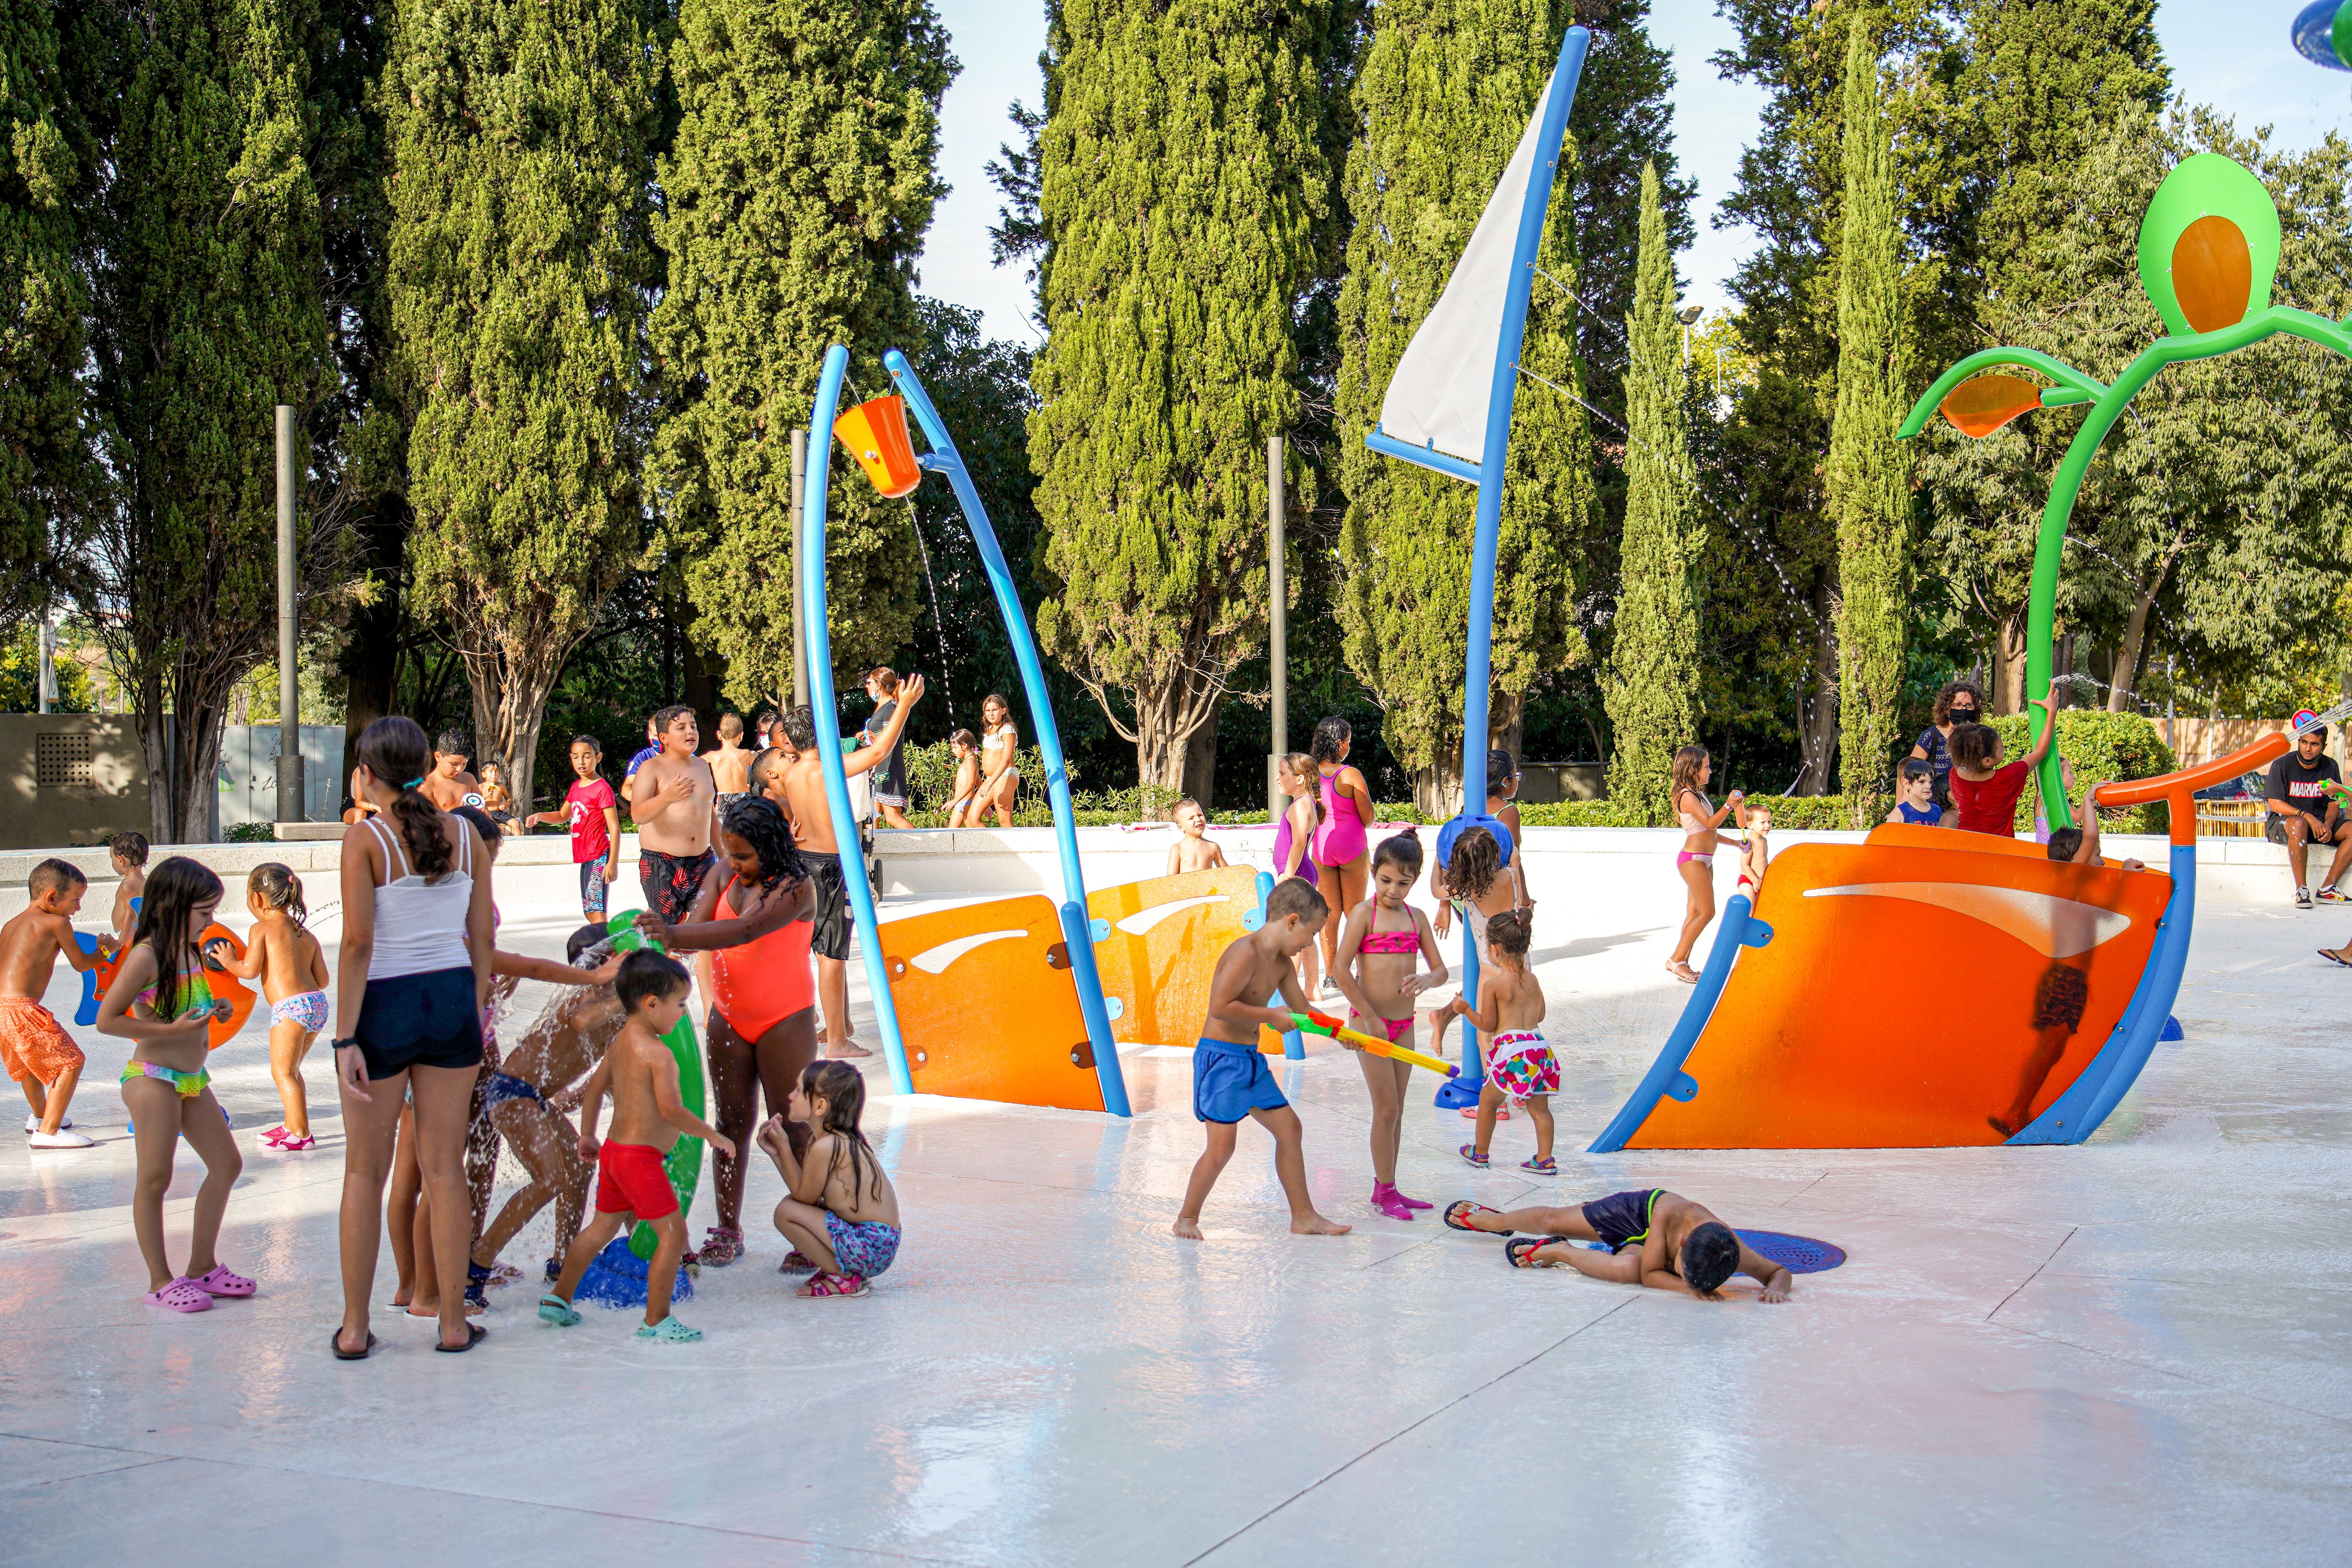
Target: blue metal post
x,y
811,550
1078,927
1502,393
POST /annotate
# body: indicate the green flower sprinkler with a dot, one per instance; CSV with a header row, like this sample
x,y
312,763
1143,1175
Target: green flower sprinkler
x,y
2209,249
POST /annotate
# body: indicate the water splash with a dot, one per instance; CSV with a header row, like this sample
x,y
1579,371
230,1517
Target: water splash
x,y
947,686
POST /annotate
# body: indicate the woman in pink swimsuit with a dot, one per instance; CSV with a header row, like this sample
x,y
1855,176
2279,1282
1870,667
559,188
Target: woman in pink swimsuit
x,y
1338,848
1696,861
1380,972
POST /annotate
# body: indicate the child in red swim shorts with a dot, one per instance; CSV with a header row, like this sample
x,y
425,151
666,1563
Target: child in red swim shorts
x,y
641,1075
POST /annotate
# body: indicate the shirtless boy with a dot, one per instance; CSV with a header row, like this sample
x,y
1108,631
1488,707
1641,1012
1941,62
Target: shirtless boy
x,y
799,787
730,764
672,806
45,1063
526,1097
1193,851
1654,1239
127,853
449,785
647,1117
1229,1076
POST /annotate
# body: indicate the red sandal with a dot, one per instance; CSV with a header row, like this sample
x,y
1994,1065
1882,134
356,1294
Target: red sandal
x,y
823,1283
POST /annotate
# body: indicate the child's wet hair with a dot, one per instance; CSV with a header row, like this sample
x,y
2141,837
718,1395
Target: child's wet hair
x,y
757,821
1507,934
665,717
1398,849
1501,769
730,726
1330,735
131,848
1302,767
582,942
174,888
1687,762
1973,744
1296,896
278,887
965,738
393,749
767,761
843,1089
1476,862
800,728
646,975
590,742
1181,804
1710,1254
1916,768
453,743
54,876
2064,842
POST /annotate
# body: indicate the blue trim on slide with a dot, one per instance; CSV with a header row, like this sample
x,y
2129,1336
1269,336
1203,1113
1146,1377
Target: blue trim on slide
x,y
1428,457
810,548
1077,929
2075,1114
1666,1076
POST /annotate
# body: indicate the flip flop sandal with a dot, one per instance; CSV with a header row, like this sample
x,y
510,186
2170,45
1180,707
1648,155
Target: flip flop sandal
x,y
181,1295
1469,1152
221,1282
475,1334
823,1283
335,1344
2333,960
1515,1253
1456,1211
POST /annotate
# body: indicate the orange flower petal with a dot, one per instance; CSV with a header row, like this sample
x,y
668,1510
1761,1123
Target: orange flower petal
x,y
1983,403
2212,273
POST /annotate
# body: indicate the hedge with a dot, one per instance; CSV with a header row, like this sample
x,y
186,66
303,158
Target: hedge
x,y
2099,746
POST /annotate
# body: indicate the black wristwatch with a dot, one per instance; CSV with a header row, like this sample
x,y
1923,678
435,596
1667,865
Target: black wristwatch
x,y
338,1045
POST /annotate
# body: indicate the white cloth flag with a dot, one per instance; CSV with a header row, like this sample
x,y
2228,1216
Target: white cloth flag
x,y
1439,394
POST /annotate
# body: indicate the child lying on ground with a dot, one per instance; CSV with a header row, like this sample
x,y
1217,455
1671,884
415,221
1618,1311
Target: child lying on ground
x,y
840,1213
1653,1237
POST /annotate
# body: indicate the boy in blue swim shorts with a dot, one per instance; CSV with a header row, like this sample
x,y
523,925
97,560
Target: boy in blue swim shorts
x,y
1230,1077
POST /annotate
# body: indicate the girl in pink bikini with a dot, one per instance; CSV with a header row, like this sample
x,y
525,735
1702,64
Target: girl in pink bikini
x,y
1696,861
1337,847
1379,972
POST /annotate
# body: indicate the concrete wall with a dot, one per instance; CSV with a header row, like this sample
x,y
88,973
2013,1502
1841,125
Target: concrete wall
x,y
247,774
95,781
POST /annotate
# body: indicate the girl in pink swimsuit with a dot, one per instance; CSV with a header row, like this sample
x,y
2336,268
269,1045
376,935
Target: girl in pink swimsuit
x,y
1337,848
1695,862
1293,833
1380,972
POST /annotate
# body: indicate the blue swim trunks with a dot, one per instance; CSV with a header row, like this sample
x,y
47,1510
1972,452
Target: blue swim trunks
x,y
1229,1081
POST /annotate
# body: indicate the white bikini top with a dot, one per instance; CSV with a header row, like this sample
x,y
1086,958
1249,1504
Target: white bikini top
x,y
1692,825
420,925
996,737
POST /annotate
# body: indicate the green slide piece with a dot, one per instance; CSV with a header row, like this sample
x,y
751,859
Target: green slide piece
x,y
2208,185
683,1164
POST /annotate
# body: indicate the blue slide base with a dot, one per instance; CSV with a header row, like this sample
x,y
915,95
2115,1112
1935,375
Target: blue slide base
x,y
617,1279
2171,1030
1454,1093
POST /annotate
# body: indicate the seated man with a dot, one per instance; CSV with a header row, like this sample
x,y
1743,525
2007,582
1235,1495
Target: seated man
x,y
2298,795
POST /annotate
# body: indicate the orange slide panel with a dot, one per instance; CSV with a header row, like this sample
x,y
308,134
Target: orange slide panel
x,y
987,1007
1895,1004
1166,934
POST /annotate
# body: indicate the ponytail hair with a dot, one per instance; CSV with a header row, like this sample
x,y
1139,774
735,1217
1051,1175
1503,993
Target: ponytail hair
x,y
1687,762
1303,764
1398,849
394,749
278,887
1330,735
843,1089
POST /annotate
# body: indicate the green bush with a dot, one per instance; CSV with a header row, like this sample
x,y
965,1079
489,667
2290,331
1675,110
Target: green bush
x,y
931,782
2097,746
251,833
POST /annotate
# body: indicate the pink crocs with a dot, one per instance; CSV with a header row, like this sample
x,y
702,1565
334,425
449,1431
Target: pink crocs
x,y
221,1282
181,1295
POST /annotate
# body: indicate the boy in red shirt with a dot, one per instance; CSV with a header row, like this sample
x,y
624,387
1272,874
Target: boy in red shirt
x,y
1985,791
594,813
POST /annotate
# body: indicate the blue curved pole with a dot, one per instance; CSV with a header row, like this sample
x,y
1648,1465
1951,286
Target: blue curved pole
x,y
2166,966
810,550
1078,927
1738,927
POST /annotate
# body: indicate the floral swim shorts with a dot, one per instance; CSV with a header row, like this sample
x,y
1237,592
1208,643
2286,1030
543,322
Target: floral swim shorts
x,y
1522,1066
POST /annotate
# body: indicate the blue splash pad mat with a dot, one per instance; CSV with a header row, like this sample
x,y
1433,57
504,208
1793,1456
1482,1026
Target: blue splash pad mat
x,y
1797,1254
617,1279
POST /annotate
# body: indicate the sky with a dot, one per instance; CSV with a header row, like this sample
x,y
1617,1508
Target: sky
x,y
2232,53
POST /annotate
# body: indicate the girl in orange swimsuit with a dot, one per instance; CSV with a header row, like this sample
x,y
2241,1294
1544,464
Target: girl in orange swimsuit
x,y
1380,972
756,922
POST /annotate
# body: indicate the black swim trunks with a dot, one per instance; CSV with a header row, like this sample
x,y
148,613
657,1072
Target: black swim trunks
x,y
2059,1000
671,881
830,938
1621,1217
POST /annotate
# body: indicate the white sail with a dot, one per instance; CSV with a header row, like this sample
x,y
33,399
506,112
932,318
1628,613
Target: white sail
x,y
1439,394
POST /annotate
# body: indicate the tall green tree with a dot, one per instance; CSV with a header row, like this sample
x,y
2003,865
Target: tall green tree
x,y
1187,177
1868,476
1444,92
1652,684
205,255
795,199
520,261
43,459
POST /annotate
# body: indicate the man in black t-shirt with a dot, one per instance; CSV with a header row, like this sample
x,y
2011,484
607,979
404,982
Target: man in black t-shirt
x,y
2297,791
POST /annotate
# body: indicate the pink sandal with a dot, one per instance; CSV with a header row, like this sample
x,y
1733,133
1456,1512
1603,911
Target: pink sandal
x,y
823,1283
796,1262
181,1295
221,1282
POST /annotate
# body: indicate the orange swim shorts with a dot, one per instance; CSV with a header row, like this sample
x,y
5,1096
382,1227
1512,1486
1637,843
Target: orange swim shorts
x,y
32,1047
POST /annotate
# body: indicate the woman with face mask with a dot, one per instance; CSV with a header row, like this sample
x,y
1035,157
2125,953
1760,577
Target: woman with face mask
x,y
1959,702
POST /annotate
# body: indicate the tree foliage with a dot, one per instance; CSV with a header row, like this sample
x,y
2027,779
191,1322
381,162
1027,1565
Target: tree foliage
x,y
1652,676
795,200
1443,96
519,262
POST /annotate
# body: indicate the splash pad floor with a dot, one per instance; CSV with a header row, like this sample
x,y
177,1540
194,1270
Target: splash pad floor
x,y
2140,1350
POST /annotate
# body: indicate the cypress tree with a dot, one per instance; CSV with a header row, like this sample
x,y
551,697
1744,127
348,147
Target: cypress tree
x,y
520,264
1868,476
795,198
1186,181
1652,678
205,254
42,467
1443,94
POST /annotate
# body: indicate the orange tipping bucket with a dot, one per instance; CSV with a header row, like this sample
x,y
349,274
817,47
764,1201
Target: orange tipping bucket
x,y
876,435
